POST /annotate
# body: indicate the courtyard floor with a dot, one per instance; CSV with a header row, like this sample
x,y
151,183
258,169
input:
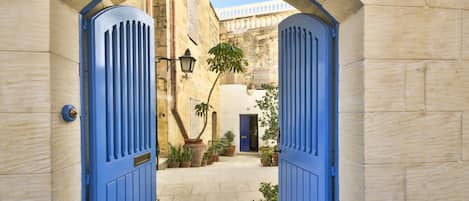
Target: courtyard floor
x,y
231,179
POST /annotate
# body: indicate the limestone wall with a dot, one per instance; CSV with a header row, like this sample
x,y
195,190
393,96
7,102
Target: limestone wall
x,y
194,86
351,103
415,100
258,37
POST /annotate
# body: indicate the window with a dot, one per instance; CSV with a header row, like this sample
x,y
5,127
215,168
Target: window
x,y
193,20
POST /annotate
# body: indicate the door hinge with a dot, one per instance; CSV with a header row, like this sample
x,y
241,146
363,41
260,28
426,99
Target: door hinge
x,y
85,25
87,179
333,171
333,33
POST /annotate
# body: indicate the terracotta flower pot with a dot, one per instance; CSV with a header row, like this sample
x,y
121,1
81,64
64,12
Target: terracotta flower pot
x,y
274,158
265,163
212,158
186,164
174,164
230,150
198,149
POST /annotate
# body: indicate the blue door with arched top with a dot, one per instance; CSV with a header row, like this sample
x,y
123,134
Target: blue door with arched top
x,y
121,100
306,87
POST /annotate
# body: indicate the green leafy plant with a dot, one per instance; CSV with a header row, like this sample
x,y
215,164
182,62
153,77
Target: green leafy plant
x,y
216,146
228,138
205,157
186,155
266,158
174,154
224,57
268,104
269,191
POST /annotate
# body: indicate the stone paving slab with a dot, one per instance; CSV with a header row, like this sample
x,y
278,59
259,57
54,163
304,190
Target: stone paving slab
x,y
232,179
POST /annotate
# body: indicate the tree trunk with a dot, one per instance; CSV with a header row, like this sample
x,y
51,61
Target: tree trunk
x,y
208,106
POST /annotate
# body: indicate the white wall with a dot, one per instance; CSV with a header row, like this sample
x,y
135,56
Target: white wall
x,y
235,100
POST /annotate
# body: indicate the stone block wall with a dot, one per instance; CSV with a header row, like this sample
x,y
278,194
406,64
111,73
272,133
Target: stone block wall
x,y
161,16
415,100
351,108
191,86
258,37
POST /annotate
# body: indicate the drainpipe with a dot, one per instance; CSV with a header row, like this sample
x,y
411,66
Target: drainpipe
x,y
174,109
82,23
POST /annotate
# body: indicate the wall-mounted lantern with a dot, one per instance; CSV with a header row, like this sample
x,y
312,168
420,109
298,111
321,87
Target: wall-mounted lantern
x,y
187,61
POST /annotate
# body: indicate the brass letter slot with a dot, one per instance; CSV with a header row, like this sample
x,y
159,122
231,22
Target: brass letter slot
x,y
142,159
243,137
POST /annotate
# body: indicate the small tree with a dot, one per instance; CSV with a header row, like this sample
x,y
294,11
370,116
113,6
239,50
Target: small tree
x,y
269,106
224,57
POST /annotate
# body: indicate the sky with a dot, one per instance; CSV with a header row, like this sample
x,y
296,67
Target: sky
x,y
228,3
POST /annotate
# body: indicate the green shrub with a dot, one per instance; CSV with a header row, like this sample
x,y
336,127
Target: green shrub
x,y
266,158
228,138
268,104
216,147
186,154
174,154
269,191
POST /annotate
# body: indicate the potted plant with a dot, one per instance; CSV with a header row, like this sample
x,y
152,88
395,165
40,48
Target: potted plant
x,y
269,191
223,58
205,159
211,157
266,157
186,157
228,139
174,159
219,146
275,156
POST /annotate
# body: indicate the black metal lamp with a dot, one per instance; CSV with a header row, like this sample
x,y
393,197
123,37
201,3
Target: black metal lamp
x,y
187,62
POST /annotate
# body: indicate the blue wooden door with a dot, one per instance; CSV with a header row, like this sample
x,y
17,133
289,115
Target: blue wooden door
x,y
306,109
121,95
244,129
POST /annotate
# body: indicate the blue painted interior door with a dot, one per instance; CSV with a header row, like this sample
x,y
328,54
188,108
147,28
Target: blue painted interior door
x,y
121,99
245,134
306,109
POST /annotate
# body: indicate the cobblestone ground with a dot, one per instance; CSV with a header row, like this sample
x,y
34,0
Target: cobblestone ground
x,y
232,179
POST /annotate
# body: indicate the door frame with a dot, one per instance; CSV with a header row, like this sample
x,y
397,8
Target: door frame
x,y
335,26
239,141
82,54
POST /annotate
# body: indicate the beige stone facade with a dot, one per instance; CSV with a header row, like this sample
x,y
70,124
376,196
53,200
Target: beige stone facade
x,y
191,88
257,35
420,139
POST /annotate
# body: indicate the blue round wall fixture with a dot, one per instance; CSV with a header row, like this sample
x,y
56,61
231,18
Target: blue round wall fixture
x,y
69,113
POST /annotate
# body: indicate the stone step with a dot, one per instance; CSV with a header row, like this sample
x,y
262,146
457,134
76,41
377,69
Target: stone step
x,y
162,163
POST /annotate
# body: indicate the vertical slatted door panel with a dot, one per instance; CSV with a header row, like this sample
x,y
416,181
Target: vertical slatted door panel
x,y
306,101
122,106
